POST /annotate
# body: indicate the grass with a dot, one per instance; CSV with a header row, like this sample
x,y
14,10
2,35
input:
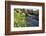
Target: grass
x,y
19,19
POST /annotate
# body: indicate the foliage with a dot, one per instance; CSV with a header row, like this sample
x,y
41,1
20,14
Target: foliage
x,y
19,19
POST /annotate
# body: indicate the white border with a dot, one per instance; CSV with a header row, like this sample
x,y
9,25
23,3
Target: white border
x,y
26,28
